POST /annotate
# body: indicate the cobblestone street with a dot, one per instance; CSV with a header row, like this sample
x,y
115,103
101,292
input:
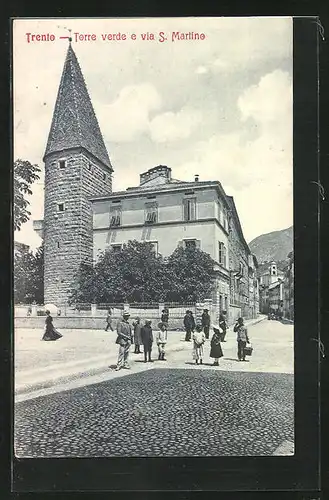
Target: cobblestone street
x,y
173,408
161,412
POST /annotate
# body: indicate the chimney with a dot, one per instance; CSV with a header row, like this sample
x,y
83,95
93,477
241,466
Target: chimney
x,y
196,178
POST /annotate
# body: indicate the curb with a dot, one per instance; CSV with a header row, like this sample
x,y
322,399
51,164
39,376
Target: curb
x,y
79,374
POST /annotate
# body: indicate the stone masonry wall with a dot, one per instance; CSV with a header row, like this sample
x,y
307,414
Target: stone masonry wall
x,y
68,234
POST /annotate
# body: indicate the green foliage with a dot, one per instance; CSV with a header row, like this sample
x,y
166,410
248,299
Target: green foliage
x,y
28,277
136,274
192,274
24,175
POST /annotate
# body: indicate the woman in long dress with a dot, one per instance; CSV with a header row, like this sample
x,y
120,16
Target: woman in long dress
x,y
50,331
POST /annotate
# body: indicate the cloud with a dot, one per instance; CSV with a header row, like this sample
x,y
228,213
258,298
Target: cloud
x,y
201,70
174,126
129,115
270,101
258,171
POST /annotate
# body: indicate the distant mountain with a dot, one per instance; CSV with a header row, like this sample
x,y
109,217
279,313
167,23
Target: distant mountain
x,y
273,246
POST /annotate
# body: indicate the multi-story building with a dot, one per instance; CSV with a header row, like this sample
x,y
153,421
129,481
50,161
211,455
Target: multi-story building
x,y
275,297
253,286
267,278
168,213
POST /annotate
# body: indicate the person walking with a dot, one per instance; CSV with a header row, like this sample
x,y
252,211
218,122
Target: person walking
x,y
161,338
189,324
137,335
124,339
205,321
109,321
216,349
223,325
242,338
199,339
147,339
50,331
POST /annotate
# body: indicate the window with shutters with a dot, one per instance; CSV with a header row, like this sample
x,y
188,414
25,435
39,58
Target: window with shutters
x,y
222,257
189,205
151,212
115,216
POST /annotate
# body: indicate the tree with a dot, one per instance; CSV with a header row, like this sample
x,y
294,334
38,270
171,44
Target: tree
x,y
191,273
136,274
24,175
28,277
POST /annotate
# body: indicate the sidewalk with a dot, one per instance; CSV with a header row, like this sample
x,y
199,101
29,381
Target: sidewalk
x,y
80,358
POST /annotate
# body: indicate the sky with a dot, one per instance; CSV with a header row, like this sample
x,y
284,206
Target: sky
x,y
220,107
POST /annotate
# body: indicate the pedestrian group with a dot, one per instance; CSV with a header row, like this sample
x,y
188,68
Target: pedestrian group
x,y
142,335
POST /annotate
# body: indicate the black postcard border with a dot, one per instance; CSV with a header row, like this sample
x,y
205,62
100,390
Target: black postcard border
x,y
298,473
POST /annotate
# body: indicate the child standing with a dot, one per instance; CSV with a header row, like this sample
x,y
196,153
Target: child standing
x,y
199,339
216,349
161,340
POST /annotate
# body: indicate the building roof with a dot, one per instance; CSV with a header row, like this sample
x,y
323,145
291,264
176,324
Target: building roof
x,y
74,122
173,185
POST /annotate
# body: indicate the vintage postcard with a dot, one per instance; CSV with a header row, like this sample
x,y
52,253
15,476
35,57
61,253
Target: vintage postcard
x,y
154,259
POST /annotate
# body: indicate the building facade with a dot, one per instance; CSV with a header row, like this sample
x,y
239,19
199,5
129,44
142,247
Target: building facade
x,y
169,213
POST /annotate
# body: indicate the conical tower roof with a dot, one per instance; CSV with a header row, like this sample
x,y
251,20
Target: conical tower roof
x,y
74,121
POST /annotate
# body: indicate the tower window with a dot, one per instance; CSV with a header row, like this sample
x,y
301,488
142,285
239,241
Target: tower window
x,y
104,177
61,207
62,163
57,244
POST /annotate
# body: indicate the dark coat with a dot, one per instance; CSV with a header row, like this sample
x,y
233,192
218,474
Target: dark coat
x,y
189,321
222,323
147,335
165,317
137,334
216,349
205,319
50,332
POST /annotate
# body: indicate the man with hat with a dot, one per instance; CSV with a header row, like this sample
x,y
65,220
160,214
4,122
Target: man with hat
x,y
124,339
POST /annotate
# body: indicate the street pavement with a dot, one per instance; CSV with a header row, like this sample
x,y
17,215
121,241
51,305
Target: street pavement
x,y
171,408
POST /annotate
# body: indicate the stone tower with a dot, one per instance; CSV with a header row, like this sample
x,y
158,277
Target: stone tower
x,y
77,167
